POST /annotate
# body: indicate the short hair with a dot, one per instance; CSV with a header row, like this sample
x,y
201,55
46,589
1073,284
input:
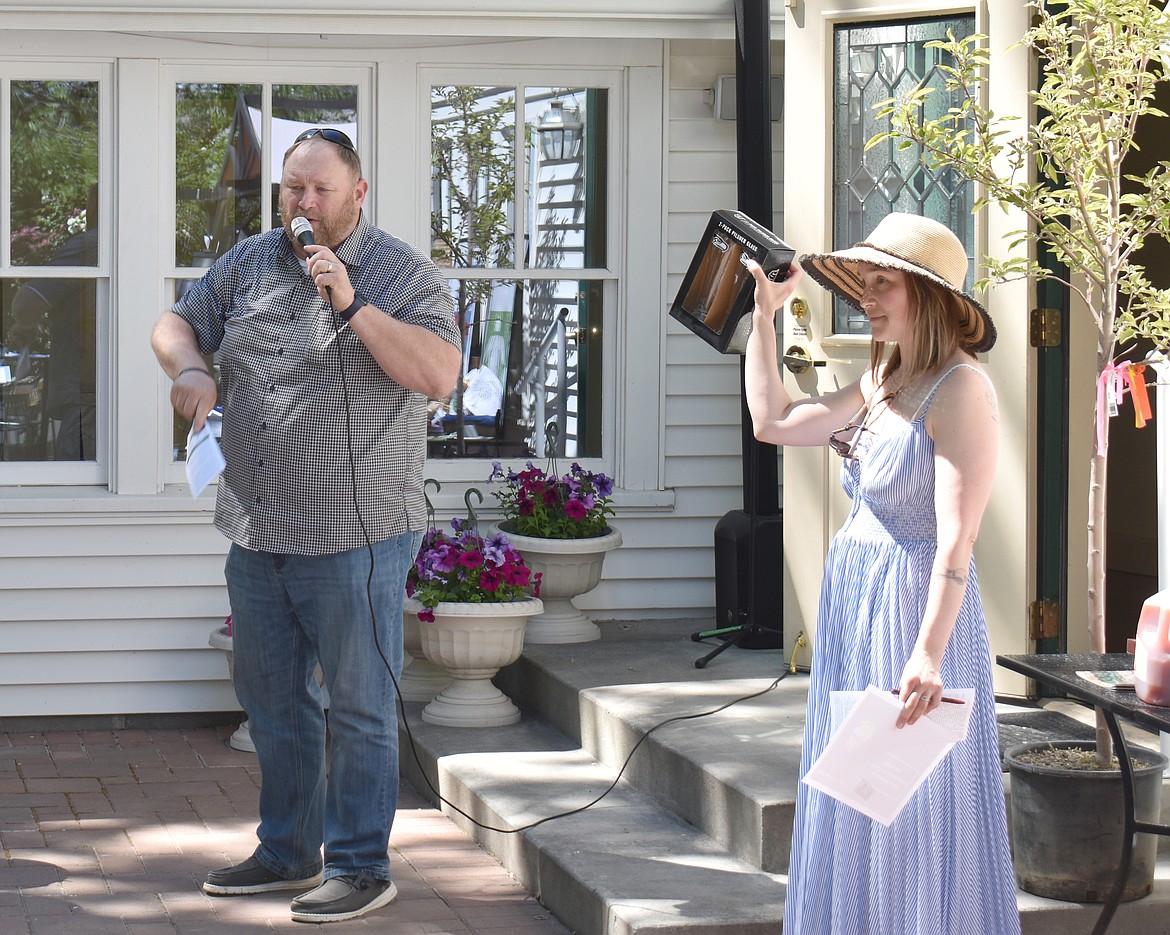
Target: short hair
x,y
350,157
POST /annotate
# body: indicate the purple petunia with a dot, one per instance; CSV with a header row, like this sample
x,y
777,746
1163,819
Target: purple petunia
x,y
542,504
465,567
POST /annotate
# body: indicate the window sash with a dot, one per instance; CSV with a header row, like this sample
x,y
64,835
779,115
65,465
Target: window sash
x,y
521,86
57,473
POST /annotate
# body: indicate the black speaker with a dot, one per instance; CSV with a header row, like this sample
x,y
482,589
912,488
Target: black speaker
x,y
744,543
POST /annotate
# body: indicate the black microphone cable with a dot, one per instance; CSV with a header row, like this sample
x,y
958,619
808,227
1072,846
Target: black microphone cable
x,y
337,328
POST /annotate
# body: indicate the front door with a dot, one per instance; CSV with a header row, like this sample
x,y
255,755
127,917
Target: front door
x,y
837,66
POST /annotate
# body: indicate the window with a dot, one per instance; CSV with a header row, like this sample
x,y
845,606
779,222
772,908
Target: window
x,y
53,284
519,218
230,140
874,62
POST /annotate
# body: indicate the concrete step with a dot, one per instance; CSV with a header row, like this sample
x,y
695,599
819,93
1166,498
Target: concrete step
x,y
716,772
694,838
624,866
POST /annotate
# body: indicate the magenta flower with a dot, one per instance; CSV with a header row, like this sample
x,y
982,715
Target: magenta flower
x,y
491,579
465,568
471,559
542,504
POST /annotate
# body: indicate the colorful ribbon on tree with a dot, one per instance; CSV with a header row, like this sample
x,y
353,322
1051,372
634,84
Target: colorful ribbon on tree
x,y
1112,385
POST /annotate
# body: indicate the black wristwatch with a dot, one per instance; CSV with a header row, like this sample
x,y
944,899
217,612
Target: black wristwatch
x,y
357,303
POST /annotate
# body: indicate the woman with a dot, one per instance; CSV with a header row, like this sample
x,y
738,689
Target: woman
x,y
900,605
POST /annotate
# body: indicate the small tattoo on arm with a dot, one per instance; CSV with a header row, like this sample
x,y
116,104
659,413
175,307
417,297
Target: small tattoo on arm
x,y
952,574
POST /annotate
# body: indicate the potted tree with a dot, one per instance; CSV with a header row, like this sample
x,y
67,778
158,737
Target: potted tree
x,y
1066,173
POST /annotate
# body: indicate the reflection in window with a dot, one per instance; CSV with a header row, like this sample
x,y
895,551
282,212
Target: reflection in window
x,y
54,166
874,62
48,323
567,184
473,167
217,170
299,107
48,398
525,347
532,346
220,153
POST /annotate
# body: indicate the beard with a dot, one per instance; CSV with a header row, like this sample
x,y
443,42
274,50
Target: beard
x,y
330,230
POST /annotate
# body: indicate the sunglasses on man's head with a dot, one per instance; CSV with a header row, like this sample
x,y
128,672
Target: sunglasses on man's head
x,y
328,133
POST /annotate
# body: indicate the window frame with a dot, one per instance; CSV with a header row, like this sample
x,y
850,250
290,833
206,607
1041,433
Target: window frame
x,y
138,190
626,168
71,473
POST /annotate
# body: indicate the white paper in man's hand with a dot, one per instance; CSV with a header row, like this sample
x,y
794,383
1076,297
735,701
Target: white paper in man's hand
x,y
204,459
872,765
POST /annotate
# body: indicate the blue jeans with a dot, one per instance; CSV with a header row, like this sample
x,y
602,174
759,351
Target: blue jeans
x,y
289,613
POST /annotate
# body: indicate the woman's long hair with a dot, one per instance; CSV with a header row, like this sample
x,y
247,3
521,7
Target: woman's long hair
x,y
935,334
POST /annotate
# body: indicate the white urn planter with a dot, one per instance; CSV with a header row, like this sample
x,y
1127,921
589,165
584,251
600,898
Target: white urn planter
x,y
473,642
568,569
421,679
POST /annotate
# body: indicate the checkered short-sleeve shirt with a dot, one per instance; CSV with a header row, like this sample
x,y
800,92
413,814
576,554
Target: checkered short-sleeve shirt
x,y
287,486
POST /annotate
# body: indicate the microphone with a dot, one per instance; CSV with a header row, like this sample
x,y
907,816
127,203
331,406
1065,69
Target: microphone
x,y
303,231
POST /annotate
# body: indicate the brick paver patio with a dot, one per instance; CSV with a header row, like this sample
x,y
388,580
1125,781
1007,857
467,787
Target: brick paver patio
x,y
111,833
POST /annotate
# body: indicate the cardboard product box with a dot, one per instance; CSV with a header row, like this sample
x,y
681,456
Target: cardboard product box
x,y
715,299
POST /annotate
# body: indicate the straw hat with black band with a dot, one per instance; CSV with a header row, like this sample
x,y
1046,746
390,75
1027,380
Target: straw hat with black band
x,y
915,245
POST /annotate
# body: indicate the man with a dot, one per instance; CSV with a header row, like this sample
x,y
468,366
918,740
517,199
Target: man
x,y
328,353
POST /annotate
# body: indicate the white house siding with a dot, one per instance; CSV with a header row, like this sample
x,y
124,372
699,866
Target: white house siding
x,y
109,611
703,448
107,599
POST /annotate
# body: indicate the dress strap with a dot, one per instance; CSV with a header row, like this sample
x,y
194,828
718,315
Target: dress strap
x,y
937,383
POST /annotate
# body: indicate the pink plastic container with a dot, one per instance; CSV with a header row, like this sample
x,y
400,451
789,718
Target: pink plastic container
x,y
1151,656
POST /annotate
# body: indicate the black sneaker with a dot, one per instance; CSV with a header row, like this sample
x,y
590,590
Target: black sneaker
x,y
253,877
343,897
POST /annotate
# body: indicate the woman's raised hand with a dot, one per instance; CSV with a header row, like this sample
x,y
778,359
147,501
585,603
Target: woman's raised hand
x,y
771,296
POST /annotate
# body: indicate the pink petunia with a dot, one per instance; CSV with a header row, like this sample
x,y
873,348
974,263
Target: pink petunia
x,y
491,579
471,559
516,574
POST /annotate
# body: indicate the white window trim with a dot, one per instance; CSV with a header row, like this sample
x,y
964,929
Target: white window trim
x,y
60,473
138,183
633,344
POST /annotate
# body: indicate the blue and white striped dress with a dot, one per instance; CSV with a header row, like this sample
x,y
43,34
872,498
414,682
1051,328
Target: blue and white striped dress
x,y
943,866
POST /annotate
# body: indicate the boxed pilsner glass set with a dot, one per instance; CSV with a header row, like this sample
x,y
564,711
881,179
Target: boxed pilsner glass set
x,y
715,299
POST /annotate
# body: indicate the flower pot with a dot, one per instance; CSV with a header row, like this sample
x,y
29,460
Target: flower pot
x,y
472,642
1067,825
421,679
568,568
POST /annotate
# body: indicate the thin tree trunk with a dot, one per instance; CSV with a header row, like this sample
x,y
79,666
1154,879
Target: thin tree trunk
x,y
1097,491
1097,500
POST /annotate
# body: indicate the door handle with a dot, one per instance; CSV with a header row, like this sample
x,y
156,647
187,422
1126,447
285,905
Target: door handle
x,y
797,359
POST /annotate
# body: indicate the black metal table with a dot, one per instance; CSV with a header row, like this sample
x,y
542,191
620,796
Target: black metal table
x,y
1060,672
